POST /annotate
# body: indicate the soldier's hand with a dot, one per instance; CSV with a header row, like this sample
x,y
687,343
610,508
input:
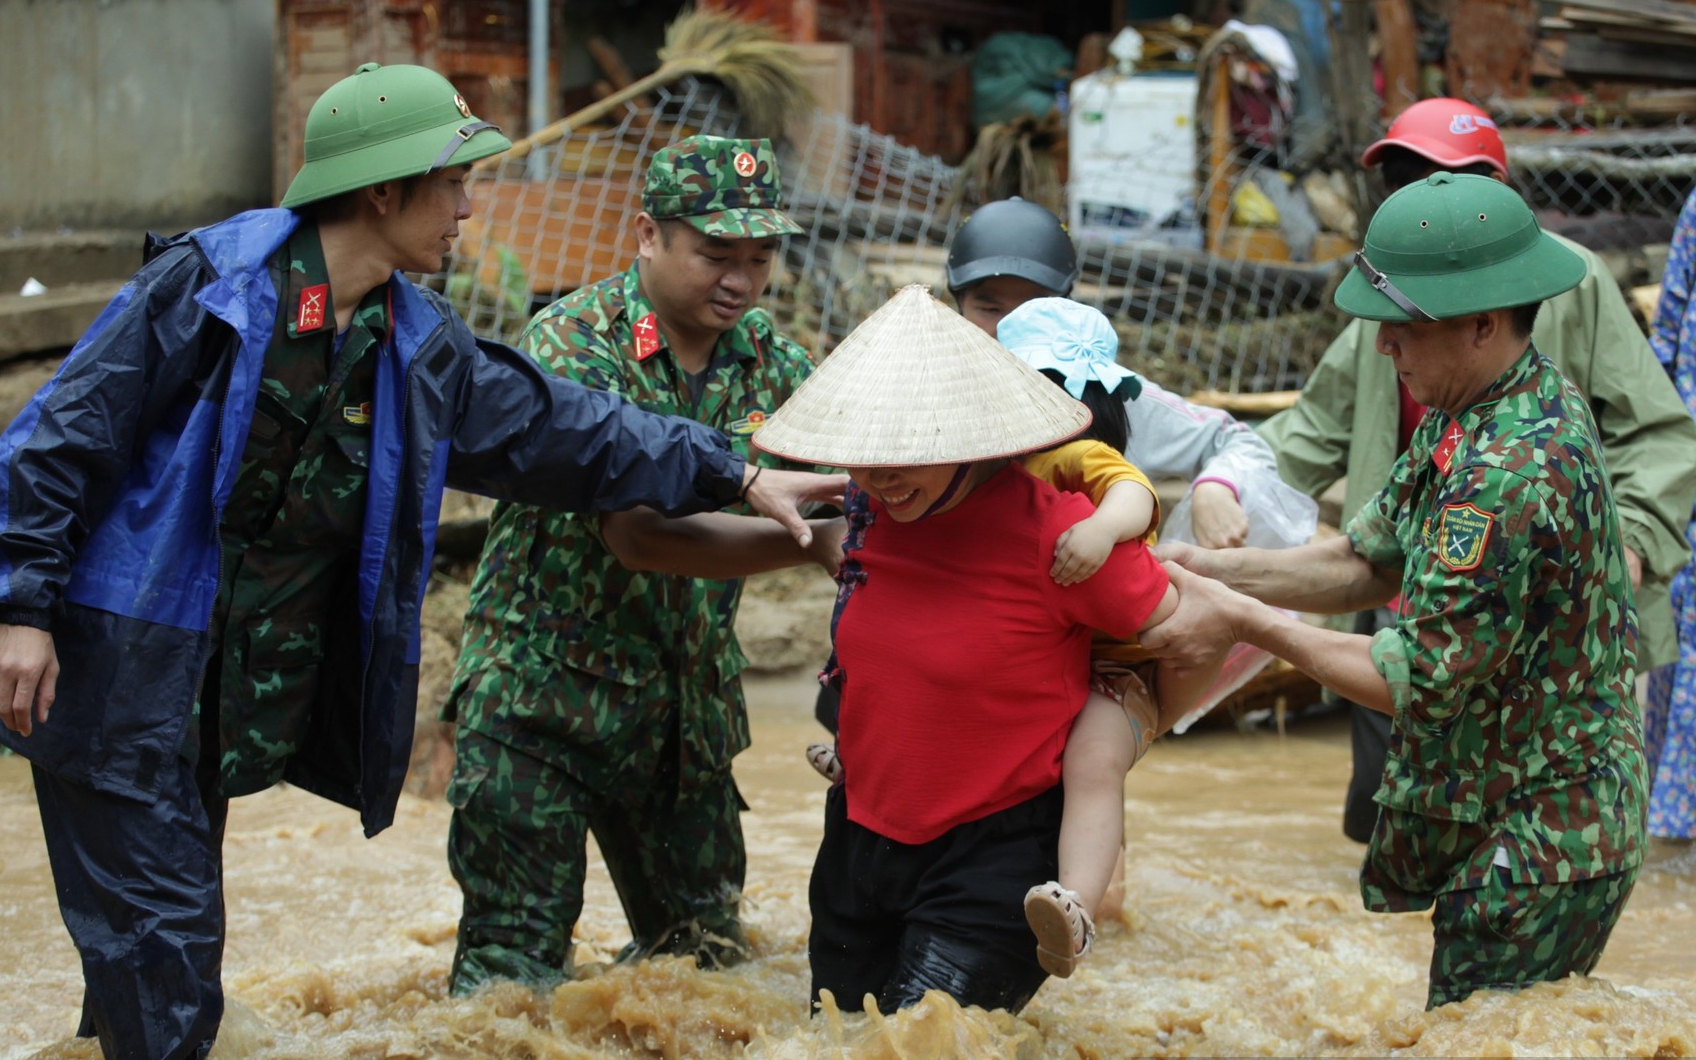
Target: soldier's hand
x,y
1634,566
1205,623
29,676
1190,557
779,494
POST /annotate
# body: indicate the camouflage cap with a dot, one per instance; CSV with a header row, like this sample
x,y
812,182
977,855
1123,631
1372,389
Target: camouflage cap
x,y
722,187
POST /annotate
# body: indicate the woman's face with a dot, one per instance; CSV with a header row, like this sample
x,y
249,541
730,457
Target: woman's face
x,y
986,302
907,493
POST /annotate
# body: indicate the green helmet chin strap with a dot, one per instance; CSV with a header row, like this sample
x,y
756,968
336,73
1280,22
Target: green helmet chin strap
x,y
1381,283
460,137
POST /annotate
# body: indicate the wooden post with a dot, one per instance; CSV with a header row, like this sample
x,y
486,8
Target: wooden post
x,y
1219,168
876,12
1399,53
1490,48
1352,99
804,21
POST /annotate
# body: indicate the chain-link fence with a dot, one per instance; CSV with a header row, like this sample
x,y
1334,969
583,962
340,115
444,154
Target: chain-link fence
x,y
1227,289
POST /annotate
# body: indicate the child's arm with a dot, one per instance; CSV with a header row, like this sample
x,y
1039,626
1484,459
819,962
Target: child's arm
x,y
1125,513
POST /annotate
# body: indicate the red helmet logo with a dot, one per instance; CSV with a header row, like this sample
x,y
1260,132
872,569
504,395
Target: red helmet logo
x,y
745,164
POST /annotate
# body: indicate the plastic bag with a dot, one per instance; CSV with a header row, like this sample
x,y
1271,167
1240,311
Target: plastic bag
x,y
1279,516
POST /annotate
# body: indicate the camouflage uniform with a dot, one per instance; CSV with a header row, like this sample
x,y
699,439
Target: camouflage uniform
x,y
1513,793
594,698
291,530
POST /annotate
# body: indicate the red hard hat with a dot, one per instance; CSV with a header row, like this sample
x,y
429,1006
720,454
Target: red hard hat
x,y
1450,131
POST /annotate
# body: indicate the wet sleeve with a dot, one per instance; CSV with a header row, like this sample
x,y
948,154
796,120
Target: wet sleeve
x,y
1481,560
1373,530
524,434
1174,438
63,458
1311,438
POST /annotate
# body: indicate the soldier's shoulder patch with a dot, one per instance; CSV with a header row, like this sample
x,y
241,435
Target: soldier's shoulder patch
x,y
1462,532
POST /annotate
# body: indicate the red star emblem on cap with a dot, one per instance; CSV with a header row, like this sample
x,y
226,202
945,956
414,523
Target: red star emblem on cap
x,y
459,101
745,164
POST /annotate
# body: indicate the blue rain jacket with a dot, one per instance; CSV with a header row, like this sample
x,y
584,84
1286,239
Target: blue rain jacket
x,y
113,482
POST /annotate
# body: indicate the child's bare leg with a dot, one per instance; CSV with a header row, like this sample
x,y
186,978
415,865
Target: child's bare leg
x,y
1178,689
1100,750
1102,746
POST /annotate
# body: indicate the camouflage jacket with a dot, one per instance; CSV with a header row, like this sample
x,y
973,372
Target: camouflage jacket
x,y
1517,740
291,531
550,593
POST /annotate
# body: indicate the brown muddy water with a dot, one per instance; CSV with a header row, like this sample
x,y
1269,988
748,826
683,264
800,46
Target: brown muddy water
x,y
1243,935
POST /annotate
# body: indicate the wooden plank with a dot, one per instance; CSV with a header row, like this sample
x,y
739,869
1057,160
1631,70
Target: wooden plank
x,y
1607,25
1259,405
1661,10
1597,56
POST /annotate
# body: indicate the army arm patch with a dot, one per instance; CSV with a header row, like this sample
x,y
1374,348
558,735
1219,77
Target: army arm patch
x,y
1462,532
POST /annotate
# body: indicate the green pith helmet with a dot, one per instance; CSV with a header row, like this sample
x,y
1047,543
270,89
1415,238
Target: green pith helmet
x,y
385,123
722,187
1450,245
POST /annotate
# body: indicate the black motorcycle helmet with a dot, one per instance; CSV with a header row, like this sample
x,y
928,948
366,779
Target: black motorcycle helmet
x,y
1013,237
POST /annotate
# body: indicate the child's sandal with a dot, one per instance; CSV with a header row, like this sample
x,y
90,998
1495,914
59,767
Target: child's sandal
x,y
1064,931
822,757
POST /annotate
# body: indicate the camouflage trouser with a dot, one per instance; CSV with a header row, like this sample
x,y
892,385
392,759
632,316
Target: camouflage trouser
x,y
1506,936
517,847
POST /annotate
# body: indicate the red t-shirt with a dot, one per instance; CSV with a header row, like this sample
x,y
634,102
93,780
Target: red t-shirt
x,y
964,662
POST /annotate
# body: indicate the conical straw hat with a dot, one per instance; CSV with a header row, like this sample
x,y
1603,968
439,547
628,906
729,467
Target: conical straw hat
x,y
917,383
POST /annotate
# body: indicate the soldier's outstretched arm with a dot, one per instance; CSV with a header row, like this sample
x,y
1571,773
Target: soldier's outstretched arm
x,y
1211,616
717,544
1324,577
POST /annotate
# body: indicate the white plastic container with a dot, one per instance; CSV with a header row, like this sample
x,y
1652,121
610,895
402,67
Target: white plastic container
x,y
1132,145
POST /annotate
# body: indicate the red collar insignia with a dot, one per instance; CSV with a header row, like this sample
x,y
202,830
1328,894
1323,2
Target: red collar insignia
x,y
647,337
309,312
1444,455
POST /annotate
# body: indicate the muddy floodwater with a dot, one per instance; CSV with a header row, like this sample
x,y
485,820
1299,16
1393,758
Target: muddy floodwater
x,y
1243,935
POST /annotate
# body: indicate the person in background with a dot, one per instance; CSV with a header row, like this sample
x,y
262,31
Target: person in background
x,y
218,527
1012,251
1514,784
1355,416
1670,718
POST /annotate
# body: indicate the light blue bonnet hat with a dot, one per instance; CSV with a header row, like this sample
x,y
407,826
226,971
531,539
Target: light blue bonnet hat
x,y
1073,339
